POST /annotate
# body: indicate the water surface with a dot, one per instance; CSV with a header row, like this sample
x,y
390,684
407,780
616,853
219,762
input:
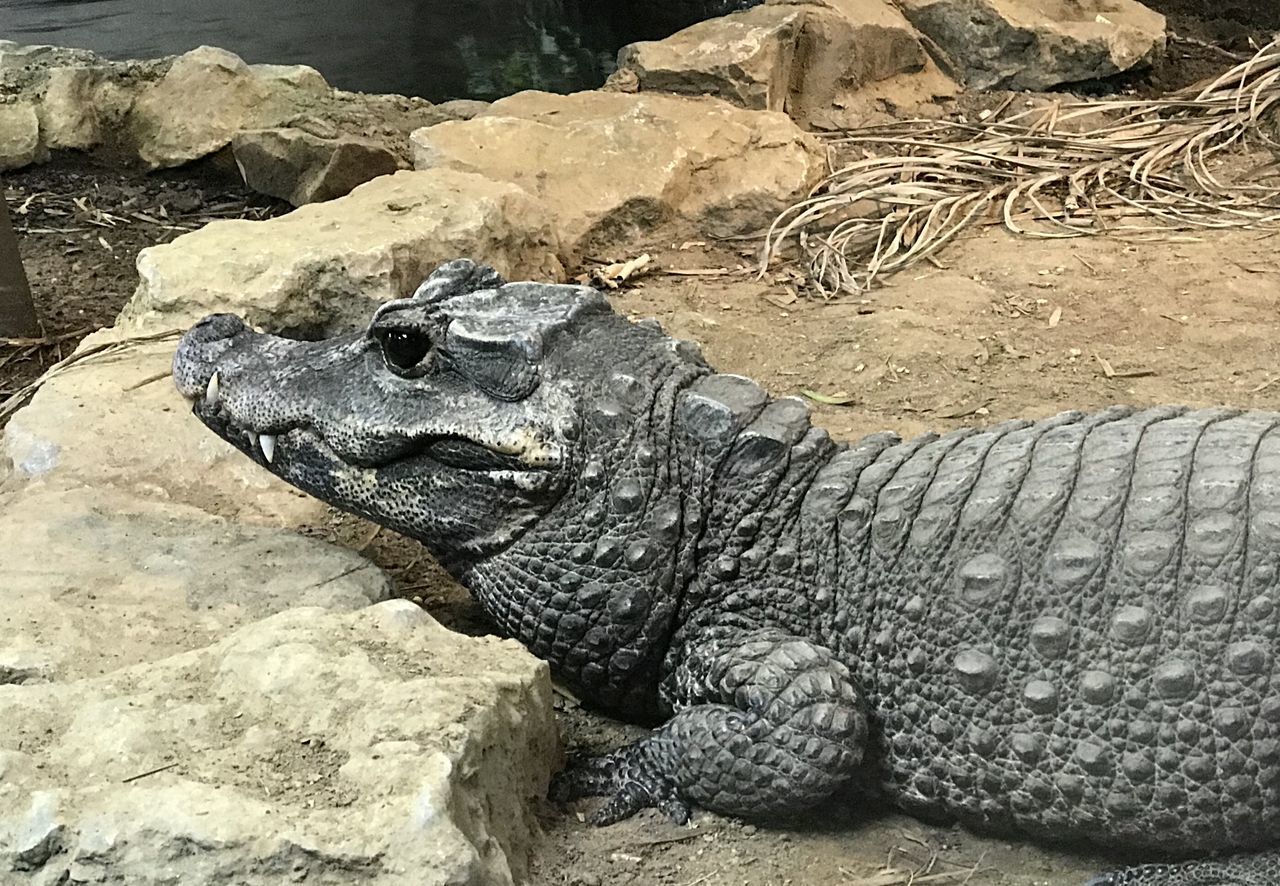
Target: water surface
x,y
437,49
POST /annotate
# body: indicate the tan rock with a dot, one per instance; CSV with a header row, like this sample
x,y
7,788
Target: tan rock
x,y
299,167
1038,44
848,46
800,56
120,580
601,163
67,112
19,135
325,266
372,747
207,96
745,58
301,77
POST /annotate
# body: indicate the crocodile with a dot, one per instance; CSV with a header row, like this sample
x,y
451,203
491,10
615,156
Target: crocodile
x,y
1063,628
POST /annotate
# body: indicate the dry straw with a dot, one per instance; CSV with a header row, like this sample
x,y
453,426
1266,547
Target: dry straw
x,y
1138,168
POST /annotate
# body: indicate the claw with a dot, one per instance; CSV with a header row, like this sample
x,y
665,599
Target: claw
x,y
626,793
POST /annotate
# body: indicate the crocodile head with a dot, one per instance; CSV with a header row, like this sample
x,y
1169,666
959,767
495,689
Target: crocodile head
x,y
450,418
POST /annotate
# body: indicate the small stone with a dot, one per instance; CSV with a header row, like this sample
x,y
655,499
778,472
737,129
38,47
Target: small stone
x,y
19,135
301,168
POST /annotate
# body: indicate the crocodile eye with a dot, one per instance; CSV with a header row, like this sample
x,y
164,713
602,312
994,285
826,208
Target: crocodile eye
x,y
403,349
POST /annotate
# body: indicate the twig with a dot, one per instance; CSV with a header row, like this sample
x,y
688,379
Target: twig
x,y
148,773
14,402
149,379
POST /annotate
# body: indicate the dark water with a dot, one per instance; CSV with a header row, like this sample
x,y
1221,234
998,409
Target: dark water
x,y
437,49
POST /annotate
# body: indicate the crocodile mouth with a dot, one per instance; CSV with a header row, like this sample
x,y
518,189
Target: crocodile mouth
x,y
446,450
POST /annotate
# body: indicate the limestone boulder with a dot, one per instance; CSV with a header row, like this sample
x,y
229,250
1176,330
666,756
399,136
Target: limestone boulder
x,y
19,135
324,267
300,167
800,56
601,164
205,98
68,112
1036,45
372,747
109,580
304,78
119,424
746,58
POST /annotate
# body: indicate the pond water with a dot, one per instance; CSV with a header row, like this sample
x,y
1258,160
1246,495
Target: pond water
x,y
437,49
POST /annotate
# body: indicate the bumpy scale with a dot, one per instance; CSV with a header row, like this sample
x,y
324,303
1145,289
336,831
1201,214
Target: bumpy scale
x,y
1063,628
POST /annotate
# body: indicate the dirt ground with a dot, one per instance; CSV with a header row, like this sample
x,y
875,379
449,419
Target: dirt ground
x,y
1001,328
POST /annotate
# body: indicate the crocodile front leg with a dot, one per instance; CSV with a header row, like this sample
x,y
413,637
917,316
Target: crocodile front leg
x,y
765,724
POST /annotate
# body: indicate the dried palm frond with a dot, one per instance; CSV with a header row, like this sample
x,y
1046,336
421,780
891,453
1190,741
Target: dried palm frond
x,y
1130,167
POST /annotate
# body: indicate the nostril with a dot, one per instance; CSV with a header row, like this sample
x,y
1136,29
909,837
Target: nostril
x,y
216,326
200,350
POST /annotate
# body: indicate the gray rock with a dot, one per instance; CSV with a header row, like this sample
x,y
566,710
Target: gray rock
x,y
1015,44
19,135
373,747
322,266
299,167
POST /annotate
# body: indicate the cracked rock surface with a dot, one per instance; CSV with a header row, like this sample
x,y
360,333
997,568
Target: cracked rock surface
x,y
372,747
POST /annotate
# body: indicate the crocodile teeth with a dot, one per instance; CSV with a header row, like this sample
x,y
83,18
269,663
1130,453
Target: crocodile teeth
x,y
268,444
211,392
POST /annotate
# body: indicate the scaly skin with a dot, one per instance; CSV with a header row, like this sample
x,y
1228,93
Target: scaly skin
x,y
1063,628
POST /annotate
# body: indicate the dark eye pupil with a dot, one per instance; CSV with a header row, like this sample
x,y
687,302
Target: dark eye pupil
x,y
403,348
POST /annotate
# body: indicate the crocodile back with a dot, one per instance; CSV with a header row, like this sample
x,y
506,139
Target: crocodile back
x,y
1070,626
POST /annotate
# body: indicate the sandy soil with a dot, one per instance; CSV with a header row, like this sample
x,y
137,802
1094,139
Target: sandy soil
x,y
1001,328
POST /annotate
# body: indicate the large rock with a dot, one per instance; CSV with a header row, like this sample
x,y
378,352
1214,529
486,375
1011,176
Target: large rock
x,y
800,56
299,167
107,580
207,96
746,58
1031,44
85,429
19,134
374,748
325,266
600,164
68,112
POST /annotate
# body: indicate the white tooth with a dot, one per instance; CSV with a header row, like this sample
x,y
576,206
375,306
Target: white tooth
x,y
211,392
268,444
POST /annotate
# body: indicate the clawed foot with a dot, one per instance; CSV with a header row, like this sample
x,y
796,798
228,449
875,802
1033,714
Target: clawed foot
x,y
627,786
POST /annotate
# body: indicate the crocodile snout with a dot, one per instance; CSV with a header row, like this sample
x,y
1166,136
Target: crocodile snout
x,y
199,351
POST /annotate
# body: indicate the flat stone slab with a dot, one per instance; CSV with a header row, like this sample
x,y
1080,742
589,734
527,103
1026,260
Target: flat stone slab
x,y
117,423
373,747
104,580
